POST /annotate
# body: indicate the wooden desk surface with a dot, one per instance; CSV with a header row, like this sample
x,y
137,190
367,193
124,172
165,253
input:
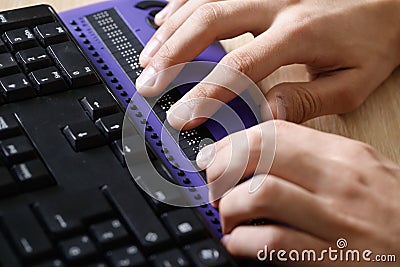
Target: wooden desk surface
x,y
376,122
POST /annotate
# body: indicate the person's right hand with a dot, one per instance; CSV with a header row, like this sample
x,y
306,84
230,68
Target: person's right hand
x,y
319,188
349,47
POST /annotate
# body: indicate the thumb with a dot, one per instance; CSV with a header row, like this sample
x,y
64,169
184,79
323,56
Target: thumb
x,y
299,102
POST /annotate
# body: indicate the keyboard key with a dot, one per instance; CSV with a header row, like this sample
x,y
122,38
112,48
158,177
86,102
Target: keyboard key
x,y
172,258
8,126
8,256
73,64
8,186
16,87
8,65
111,126
109,233
97,264
83,136
52,263
3,47
148,229
208,253
19,39
126,257
47,81
184,224
118,151
159,203
50,33
80,248
33,59
99,106
26,234
32,175
25,17
64,214
150,4
134,147
17,149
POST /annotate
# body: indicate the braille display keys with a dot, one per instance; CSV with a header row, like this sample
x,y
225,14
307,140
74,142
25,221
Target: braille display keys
x,y
119,39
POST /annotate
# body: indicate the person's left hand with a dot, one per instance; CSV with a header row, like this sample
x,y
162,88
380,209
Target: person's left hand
x,y
348,47
168,10
320,188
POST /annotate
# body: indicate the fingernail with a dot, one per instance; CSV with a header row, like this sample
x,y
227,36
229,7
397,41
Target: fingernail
x,y
205,156
180,113
149,50
225,239
160,17
146,80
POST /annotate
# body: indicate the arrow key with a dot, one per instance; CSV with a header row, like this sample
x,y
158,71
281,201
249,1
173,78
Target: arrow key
x,y
99,106
16,87
83,136
111,126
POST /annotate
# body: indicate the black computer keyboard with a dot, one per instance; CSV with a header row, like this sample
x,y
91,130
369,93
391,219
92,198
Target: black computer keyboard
x,y
66,197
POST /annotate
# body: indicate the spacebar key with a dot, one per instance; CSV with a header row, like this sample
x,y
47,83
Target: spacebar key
x,y
73,64
139,217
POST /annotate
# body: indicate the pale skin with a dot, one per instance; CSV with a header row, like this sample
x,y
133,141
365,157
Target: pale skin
x,y
321,187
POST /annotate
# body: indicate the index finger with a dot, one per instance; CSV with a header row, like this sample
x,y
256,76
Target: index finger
x,y
208,23
256,60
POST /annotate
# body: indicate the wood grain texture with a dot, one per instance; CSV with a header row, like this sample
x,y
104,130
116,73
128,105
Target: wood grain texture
x,y
376,122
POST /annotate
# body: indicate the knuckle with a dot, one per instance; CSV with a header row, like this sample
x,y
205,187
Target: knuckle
x,y
353,181
357,150
235,244
223,206
164,56
208,13
352,178
254,137
276,237
241,61
201,91
301,104
261,201
303,24
282,129
168,27
308,104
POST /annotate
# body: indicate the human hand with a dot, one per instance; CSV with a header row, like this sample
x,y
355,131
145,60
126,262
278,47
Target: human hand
x,y
168,10
319,188
349,48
